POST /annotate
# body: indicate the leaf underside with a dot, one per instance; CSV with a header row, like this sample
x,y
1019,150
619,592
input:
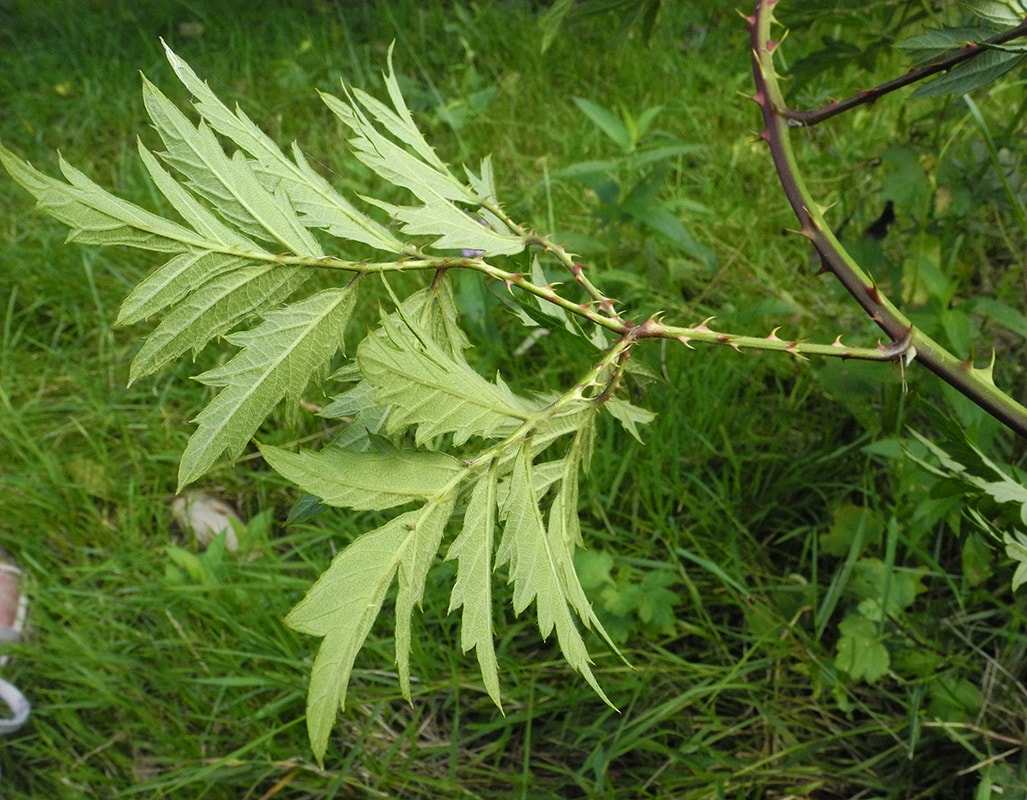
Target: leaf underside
x,y
254,228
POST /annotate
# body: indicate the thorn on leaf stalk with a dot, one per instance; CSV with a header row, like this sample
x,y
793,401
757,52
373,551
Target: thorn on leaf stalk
x,y
772,45
773,337
704,325
793,350
647,328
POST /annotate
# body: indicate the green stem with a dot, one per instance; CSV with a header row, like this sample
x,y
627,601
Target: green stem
x,y
650,329
610,360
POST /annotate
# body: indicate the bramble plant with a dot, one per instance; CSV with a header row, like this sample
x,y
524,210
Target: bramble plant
x,y
427,437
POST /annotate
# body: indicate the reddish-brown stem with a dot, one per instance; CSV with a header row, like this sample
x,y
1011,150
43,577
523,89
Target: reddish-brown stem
x,y
976,384
865,96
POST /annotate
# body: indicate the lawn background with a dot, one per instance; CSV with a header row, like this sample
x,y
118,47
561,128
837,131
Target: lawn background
x,y
147,682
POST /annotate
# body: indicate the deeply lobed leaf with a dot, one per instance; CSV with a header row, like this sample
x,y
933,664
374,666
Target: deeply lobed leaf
x,y
449,209
472,589
316,202
277,360
538,570
432,389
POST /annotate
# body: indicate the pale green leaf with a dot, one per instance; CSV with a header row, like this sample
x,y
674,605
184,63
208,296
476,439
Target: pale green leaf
x,y
420,172
344,602
1006,489
202,220
173,281
422,547
277,359
390,160
436,312
215,308
568,420
365,416
454,228
563,533
484,184
229,184
550,310
368,480
432,389
209,285
472,589
94,215
629,415
341,606
536,571
400,122
317,203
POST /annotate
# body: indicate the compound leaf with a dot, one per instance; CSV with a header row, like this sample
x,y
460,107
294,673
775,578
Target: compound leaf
x,y
1009,12
422,546
423,174
934,45
365,417
564,530
970,75
202,220
1016,549
215,308
629,415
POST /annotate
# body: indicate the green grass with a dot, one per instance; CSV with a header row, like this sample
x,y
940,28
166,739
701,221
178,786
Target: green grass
x,y
146,686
